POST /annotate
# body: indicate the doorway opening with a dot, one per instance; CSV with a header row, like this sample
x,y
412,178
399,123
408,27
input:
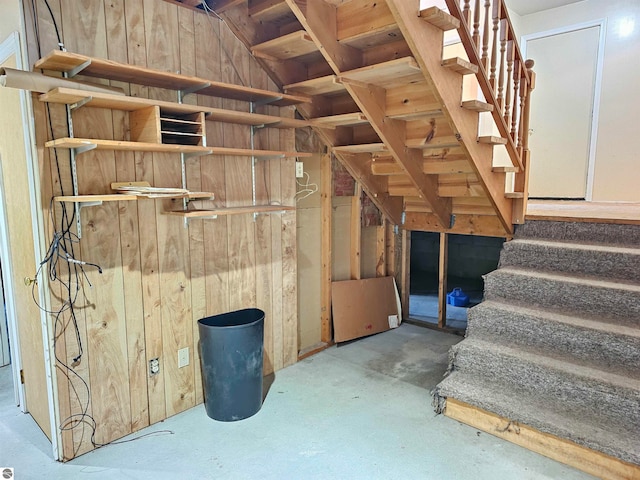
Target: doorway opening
x,y
466,259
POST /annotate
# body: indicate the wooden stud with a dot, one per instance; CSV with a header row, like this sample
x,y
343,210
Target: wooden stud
x,y
405,275
443,264
326,195
356,233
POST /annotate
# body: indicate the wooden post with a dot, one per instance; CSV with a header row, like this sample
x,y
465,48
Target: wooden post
x,y
356,233
442,280
521,183
381,249
405,283
326,194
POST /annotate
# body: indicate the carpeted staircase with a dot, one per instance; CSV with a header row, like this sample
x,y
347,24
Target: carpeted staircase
x,y
556,343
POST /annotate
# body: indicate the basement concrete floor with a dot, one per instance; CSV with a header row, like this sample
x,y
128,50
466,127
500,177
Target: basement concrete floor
x,y
358,411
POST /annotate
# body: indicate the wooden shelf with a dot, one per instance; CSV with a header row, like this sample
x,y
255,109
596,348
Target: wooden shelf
x,y
115,197
317,86
167,148
290,46
68,96
122,197
229,211
96,67
388,74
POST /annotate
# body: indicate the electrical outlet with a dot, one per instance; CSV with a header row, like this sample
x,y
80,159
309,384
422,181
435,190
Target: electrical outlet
x,y
154,366
299,169
183,357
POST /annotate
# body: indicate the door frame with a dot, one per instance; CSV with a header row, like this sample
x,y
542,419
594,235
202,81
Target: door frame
x,y
8,47
597,88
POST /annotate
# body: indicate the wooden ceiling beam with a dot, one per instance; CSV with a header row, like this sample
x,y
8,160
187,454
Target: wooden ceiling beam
x,y
393,133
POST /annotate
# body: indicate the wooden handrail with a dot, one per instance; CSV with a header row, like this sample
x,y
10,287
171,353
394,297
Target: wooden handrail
x,y
505,78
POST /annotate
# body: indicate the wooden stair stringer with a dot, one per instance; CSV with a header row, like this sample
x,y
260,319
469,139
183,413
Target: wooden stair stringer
x,y
447,85
370,99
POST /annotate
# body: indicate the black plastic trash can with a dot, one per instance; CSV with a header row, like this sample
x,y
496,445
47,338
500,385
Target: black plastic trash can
x,y
231,346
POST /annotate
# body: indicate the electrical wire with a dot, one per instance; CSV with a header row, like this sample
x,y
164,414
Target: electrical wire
x,y
308,188
63,268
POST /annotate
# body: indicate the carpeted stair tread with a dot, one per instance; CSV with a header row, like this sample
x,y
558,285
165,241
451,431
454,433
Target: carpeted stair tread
x,y
562,337
542,413
592,391
587,233
596,261
613,302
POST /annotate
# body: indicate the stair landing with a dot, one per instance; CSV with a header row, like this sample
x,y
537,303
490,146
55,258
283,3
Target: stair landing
x,y
624,213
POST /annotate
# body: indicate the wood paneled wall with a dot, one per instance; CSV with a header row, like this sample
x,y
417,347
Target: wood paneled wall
x,y
159,277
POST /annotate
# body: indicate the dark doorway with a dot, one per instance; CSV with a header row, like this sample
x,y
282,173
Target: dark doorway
x,y
469,258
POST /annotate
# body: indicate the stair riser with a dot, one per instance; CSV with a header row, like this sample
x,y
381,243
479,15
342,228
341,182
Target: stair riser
x,y
604,350
588,396
599,264
611,305
581,232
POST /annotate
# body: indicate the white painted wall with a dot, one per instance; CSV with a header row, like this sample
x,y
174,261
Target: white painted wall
x,y
617,161
9,17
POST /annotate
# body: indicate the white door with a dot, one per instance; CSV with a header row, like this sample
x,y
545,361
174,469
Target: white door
x,y
562,110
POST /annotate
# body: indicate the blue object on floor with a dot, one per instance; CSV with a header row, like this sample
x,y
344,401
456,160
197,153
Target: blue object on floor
x,y
458,298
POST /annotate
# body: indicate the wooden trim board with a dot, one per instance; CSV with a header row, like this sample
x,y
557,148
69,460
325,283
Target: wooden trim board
x,y
578,211
559,449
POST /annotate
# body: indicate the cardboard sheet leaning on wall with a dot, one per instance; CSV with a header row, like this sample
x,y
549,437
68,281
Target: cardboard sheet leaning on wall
x,y
364,307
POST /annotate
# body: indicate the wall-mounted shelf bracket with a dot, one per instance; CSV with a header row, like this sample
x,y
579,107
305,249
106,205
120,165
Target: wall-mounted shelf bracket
x,y
78,68
267,101
84,148
81,103
186,91
79,206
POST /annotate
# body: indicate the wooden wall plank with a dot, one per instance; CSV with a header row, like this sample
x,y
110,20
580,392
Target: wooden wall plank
x,y
147,228
160,278
106,333
173,243
130,241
